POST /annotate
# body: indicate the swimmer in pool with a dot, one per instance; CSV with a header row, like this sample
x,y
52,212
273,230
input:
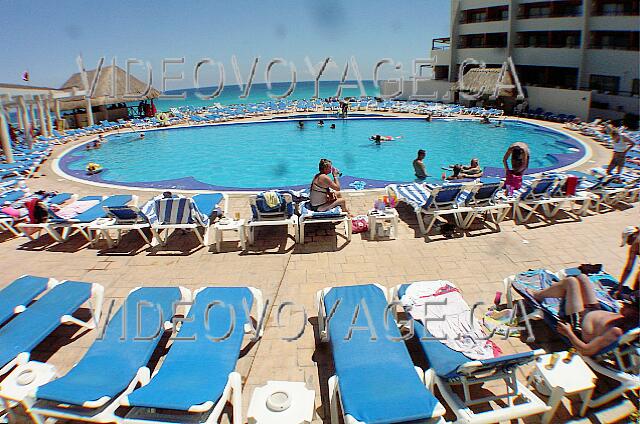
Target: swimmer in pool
x,y
321,123
141,135
377,139
300,124
333,126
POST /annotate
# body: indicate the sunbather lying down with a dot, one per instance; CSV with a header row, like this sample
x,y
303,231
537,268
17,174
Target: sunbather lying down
x,y
590,329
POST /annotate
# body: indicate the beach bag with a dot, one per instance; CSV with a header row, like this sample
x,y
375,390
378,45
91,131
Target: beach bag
x,y
359,224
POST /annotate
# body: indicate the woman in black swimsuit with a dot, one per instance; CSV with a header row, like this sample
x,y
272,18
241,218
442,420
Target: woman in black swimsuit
x,y
325,192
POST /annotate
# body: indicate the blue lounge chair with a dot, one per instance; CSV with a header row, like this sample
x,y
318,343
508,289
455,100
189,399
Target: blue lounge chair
x,y
620,361
434,201
281,214
16,296
335,215
483,200
375,378
450,368
533,194
188,213
8,222
61,229
198,376
125,218
24,332
115,363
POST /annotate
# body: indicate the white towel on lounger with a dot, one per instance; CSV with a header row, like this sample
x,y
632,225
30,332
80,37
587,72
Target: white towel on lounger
x,y
439,305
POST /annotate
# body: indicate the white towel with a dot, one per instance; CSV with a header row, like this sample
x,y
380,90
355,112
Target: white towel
x,y
459,330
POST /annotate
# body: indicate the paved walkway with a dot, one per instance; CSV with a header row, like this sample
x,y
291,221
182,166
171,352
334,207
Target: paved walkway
x,y
477,262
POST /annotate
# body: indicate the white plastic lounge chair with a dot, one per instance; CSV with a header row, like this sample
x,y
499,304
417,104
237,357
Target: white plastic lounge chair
x,y
335,215
483,201
375,379
434,201
263,215
581,197
9,223
620,361
450,369
62,229
533,194
198,376
15,297
184,213
123,219
24,332
115,363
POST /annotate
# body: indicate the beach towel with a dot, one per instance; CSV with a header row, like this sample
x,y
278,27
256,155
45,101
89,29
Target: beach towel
x,y
272,199
75,208
440,307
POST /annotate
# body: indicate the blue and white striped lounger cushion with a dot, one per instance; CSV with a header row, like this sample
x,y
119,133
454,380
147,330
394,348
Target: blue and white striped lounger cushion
x,y
414,194
174,210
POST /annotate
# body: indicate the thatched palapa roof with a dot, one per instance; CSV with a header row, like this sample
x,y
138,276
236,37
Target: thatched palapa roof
x,y
106,92
483,81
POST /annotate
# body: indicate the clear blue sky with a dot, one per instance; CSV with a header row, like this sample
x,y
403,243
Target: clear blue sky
x,y
44,37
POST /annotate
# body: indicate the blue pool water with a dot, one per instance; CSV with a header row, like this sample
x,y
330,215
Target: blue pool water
x,y
278,154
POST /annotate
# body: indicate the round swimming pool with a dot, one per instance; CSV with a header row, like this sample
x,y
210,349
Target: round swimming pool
x,y
259,155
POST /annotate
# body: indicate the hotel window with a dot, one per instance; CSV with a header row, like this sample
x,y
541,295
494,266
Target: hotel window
x,y
604,83
550,9
635,87
486,14
616,8
615,40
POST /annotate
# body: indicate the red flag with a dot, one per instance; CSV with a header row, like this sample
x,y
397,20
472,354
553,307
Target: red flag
x,y
25,76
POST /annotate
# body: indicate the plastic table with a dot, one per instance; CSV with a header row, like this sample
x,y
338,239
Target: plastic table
x,y
281,402
564,378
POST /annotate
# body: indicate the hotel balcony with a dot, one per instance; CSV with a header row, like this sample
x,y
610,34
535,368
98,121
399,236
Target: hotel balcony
x,y
550,9
564,57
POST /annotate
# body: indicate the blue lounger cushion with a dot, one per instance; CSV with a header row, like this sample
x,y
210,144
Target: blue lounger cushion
x,y
28,329
98,211
306,212
111,363
59,198
207,204
378,382
20,292
445,361
12,196
196,371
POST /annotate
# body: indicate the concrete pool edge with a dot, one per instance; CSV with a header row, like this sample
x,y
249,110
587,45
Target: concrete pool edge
x,y
378,185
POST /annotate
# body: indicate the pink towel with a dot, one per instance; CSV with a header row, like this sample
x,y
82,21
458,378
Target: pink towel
x,y
76,208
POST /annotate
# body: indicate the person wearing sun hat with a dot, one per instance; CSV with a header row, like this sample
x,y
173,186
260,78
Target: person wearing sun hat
x,y
630,237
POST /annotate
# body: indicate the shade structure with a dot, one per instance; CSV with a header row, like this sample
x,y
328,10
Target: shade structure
x,y
111,87
483,81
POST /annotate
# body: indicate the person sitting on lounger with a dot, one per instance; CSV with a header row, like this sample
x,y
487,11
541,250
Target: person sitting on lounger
x,y
590,329
325,192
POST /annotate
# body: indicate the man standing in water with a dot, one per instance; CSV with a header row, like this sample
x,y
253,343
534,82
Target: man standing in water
x,y
418,165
